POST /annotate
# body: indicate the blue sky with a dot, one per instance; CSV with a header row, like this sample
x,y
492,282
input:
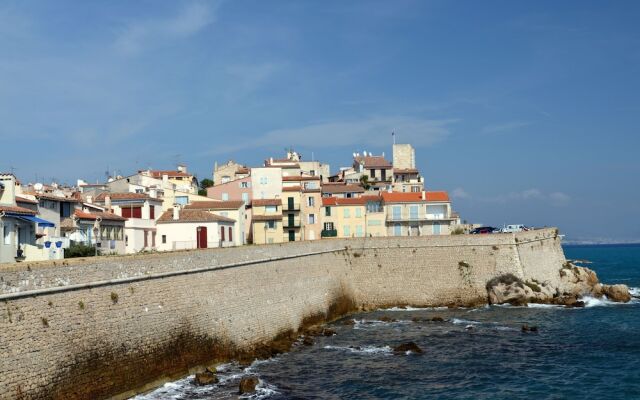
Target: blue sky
x,y
527,112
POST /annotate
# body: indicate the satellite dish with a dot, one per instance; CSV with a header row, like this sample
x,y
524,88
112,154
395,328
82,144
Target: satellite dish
x,y
38,186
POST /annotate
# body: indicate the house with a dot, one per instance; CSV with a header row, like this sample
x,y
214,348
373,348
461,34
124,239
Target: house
x,y
178,179
93,226
353,217
376,168
237,189
181,229
229,172
266,183
19,226
266,221
233,209
417,214
343,190
140,211
406,178
301,203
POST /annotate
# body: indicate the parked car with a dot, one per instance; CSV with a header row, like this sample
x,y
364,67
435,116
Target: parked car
x,y
514,228
483,230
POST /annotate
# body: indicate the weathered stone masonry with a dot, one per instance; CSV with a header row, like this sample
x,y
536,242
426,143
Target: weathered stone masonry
x,y
101,327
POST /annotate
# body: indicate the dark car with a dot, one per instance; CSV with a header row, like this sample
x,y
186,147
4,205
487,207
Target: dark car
x,y
483,230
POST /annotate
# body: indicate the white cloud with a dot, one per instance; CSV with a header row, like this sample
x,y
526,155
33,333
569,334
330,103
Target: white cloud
x,y
189,21
375,131
502,128
556,199
459,193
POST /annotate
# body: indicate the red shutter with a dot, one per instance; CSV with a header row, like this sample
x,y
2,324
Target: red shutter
x,y
152,212
222,233
126,212
137,212
230,235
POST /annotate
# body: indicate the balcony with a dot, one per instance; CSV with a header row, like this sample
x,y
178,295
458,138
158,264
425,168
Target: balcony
x,y
293,223
291,207
405,218
329,233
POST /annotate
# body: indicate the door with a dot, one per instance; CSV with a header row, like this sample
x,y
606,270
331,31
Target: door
x,y
292,235
290,203
290,218
201,237
436,228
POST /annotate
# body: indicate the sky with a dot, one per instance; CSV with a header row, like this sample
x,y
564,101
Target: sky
x,y
526,112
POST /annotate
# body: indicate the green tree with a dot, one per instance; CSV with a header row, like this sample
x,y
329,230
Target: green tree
x,y
204,184
364,182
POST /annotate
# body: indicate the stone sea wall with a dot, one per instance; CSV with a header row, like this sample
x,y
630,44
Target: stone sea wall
x,y
110,326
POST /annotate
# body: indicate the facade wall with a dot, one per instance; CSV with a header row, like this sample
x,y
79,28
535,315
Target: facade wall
x,y
239,189
266,183
107,339
183,235
404,156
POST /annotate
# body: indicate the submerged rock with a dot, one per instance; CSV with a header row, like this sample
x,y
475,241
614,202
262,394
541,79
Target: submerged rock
x,y
409,346
307,341
386,319
349,322
248,385
619,293
527,328
328,332
437,318
206,378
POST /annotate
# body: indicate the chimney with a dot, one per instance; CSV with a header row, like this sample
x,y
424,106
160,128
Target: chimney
x,y
182,168
165,180
176,212
424,195
107,203
89,199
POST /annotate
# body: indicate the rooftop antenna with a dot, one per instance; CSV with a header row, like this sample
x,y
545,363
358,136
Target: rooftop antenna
x,y
393,135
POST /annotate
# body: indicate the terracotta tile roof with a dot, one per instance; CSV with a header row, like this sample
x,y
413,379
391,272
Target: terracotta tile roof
x,y
341,188
300,178
266,202
242,170
20,199
121,196
93,215
291,189
186,215
266,218
17,210
374,162
215,205
156,173
337,201
49,196
414,197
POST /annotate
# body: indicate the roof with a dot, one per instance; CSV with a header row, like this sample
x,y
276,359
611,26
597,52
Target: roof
x,y
357,201
374,162
414,197
49,196
341,188
291,188
17,210
93,215
242,170
186,215
20,199
267,218
300,178
122,196
215,205
157,173
266,202
405,171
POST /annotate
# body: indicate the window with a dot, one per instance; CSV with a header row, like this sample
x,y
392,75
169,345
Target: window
x,y
182,200
222,233
413,212
328,226
244,185
152,212
245,197
359,231
164,239
310,201
139,190
271,209
312,219
397,212
397,230
132,212
346,212
225,196
346,231
374,206
65,210
7,234
264,180
358,212
271,224
327,211
312,172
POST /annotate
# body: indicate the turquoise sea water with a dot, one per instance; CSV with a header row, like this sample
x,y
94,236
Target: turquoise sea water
x,y
588,353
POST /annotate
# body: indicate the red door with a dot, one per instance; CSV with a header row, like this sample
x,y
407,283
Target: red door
x,y
201,235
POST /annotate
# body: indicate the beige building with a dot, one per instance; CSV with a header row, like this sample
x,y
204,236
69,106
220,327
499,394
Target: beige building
x,y
406,177
266,221
353,217
229,172
266,183
417,214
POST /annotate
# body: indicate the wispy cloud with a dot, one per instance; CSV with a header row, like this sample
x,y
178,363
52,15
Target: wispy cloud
x,y
373,130
502,128
556,199
249,77
189,21
459,193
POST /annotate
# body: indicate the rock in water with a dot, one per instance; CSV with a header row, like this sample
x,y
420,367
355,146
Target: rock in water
x,y
619,293
409,346
307,341
206,378
248,384
328,332
437,319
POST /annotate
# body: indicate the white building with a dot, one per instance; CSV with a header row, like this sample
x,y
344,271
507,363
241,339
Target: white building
x,y
180,229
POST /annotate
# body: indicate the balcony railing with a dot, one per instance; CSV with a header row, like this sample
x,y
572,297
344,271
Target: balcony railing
x,y
291,207
329,233
295,223
419,217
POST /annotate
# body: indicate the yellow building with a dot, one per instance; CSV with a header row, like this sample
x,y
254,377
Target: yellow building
x,y
266,221
354,217
301,203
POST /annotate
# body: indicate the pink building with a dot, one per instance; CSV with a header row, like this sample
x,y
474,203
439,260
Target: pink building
x,y
239,189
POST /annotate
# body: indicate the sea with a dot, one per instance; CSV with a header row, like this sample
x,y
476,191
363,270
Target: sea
x,y
479,353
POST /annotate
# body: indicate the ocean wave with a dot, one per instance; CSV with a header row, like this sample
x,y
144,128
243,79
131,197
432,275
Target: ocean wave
x,y
460,321
264,390
366,323
412,308
598,302
634,292
362,349
540,305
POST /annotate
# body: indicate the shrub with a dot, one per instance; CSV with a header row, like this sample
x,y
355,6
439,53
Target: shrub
x,y
533,286
506,279
45,322
114,297
80,250
457,231
81,304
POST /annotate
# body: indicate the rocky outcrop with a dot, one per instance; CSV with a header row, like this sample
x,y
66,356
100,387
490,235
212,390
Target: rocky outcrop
x,y
248,385
574,283
405,347
206,378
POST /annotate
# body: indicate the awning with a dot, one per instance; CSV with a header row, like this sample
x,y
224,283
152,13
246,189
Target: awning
x,y
39,221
